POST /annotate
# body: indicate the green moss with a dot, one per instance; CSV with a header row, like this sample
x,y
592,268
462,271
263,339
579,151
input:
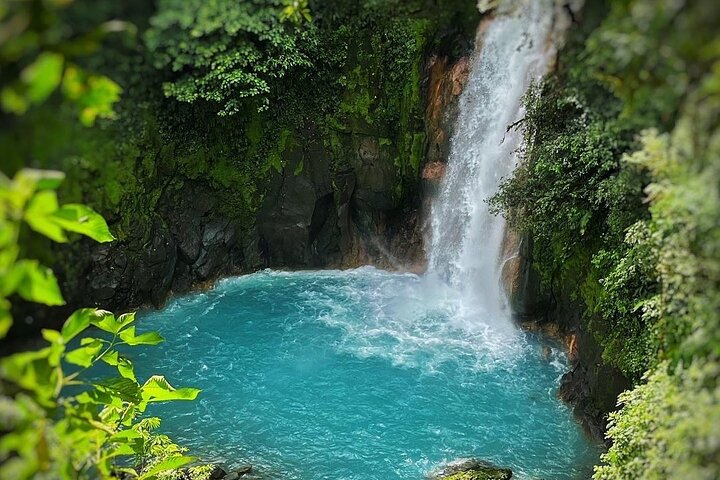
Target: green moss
x,y
481,474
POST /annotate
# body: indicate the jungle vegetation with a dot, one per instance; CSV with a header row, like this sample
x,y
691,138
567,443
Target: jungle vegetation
x,y
618,190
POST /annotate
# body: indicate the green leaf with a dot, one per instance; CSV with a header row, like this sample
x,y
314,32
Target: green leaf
x,y
37,215
124,435
43,76
96,397
41,179
157,389
124,365
83,220
52,336
77,323
57,346
6,321
105,320
124,388
84,356
150,338
32,371
94,94
13,100
36,283
126,319
171,463
126,369
37,81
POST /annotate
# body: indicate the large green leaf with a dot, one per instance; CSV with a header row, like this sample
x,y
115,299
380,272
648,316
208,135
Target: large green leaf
x,y
106,321
150,338
85,355
37,81
36,283
37,215
124,388
43,76
124,365
157,389
77,323
40,179
32,371
171,463
84,220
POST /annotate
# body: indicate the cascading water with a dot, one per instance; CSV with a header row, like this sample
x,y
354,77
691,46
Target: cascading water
x,y
372,375
466,238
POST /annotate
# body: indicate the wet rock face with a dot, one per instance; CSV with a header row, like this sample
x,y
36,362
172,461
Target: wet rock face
x,y
446,82
328,211
188,243
297,223
471,469
519,279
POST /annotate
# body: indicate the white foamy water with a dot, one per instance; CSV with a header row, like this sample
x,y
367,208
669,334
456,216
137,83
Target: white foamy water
x,y
466,238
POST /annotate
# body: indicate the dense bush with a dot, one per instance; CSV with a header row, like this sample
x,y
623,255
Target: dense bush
x,y
225,51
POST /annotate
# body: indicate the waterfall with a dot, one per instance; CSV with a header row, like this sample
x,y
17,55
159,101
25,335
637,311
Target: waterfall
x,y
466,238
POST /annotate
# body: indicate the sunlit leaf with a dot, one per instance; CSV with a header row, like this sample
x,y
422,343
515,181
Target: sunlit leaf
x,y
94,94
52,336
84,220
157,389
37,81
43,76
126,319
105,320
40,207
37,283
123,388
57,346
43,179
32,371
13,100
96,397
171,463
125,435
150,338
78,321
84,356
124,365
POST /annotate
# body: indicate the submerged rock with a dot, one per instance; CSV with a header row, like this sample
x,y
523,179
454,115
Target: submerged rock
x,y
244,469
471,469
217,473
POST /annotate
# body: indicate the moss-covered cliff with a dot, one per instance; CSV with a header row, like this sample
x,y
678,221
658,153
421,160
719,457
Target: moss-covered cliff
x,y
316,164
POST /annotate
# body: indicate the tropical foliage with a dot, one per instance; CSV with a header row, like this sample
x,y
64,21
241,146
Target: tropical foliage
x,y
620,193
226,51
62,421
618,190
59,417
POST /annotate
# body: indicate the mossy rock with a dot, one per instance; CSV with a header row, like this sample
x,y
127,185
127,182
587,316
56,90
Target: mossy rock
x,y
485,474
472,470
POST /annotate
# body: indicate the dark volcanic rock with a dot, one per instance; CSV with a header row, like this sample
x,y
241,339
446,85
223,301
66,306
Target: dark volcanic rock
x,y
217,473
187,242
